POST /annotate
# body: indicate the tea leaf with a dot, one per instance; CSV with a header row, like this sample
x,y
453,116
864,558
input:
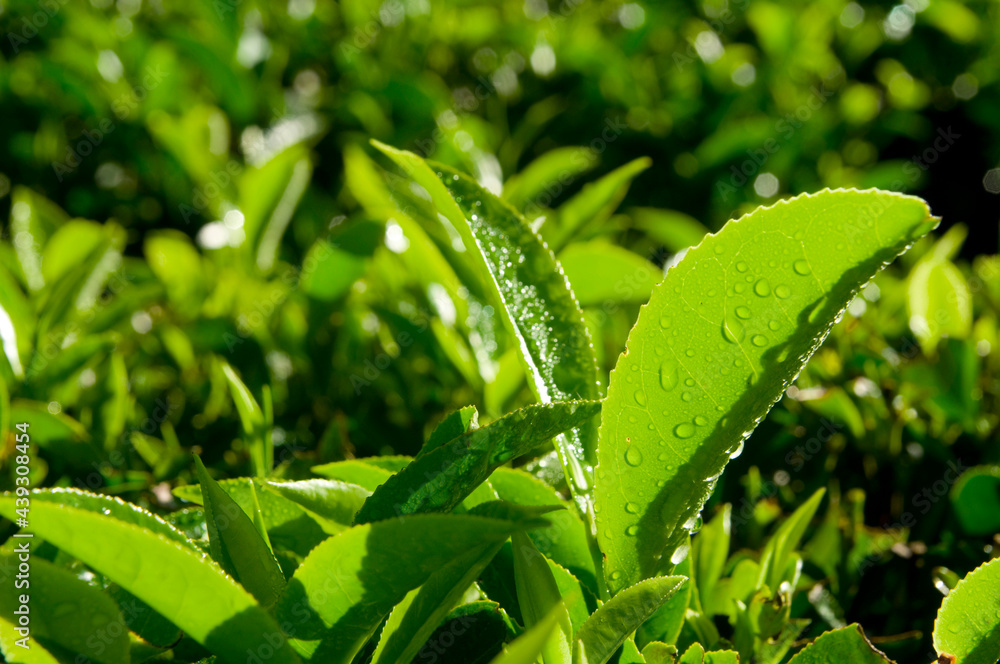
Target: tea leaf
x,y
723,335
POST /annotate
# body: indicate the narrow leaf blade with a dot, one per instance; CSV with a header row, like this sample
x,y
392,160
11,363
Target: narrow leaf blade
x,y
440,479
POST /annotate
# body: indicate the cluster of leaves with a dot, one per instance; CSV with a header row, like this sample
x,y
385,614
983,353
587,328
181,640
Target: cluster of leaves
x,y
264,295
589,552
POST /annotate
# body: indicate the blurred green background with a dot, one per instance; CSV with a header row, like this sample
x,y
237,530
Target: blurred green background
x,y
238,215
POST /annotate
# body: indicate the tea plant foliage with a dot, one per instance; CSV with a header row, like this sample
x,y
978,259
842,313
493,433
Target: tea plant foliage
x,y
723,335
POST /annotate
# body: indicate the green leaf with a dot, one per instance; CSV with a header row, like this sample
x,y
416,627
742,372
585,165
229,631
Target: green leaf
x,y
697,655
940,303
456,423
529,646
538,595
565,540
723,335
16,338
423,609
58,600
236,544
33,219
355,471
269,194
333,504
178,583
32,652
595,202
440,479
288,525
976,500
547,176
667,622
674,230
116,508
176,262
609,626
776,555
848,644
601,273
968,622
350,582
534,298
709,551
254,424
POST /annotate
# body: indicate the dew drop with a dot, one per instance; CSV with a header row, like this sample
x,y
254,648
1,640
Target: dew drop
x,y
678,556
689,382
733,330
802,267
662,456
739,288
759,340
631,508
684,430
700,421
668,375
774,325
736,451
743,312
665,321
640,397
631,531
762,287
687,396
616,575
689,352
783,291
633,456
742,267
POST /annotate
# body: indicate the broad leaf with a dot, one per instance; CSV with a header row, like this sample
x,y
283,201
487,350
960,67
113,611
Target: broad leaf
x,y
236,543
968,622
606,630
848,644
58,599
602,273
18,651
440,479
349,583
976,500
116,508
178,583
355,471
534,298
723,335
333,504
